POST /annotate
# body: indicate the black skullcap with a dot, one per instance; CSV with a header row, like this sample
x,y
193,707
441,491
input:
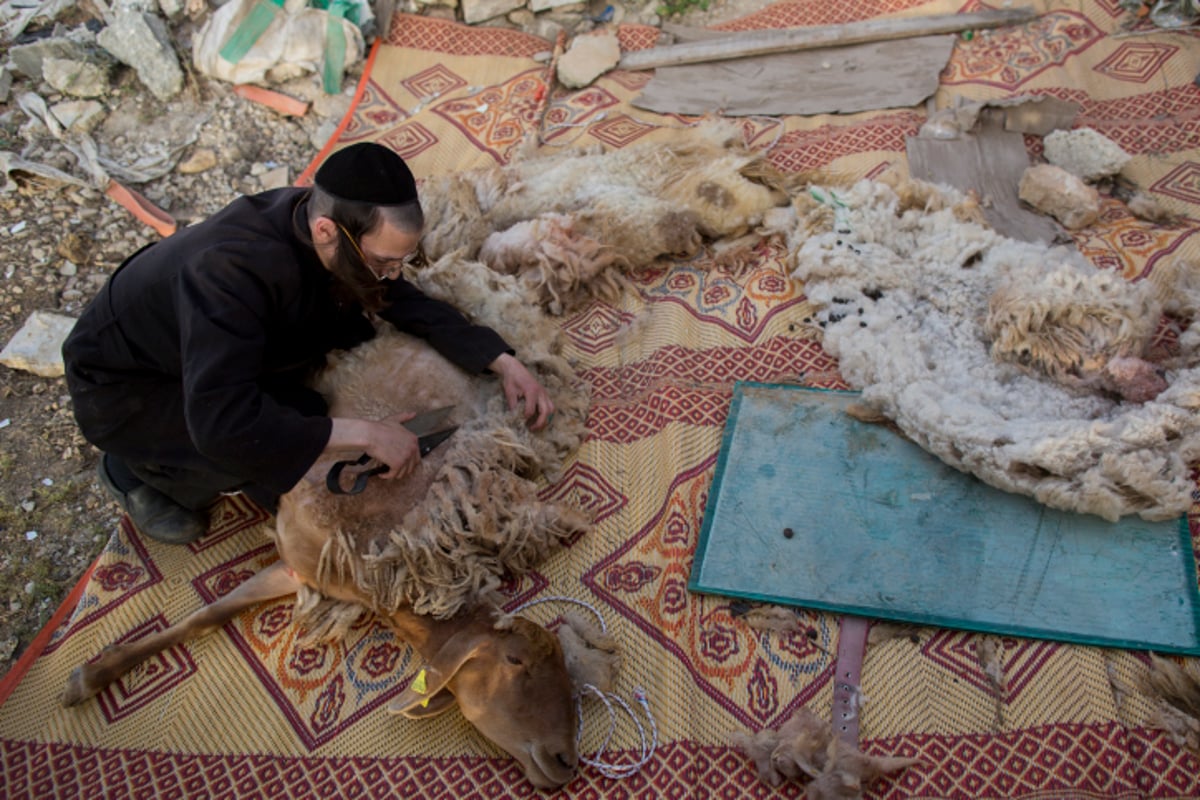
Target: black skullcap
x,y
367,173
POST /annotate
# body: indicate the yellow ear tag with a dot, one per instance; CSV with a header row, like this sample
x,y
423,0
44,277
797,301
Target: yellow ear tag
x,y
418,686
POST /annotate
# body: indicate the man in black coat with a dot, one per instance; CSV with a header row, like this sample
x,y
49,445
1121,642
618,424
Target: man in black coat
x,y
189,368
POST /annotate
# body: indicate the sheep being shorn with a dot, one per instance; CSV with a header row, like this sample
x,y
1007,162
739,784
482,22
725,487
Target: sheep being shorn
x,y
427,553
904,295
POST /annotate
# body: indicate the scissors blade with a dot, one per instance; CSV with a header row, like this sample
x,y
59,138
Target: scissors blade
x,y
428,421
432,440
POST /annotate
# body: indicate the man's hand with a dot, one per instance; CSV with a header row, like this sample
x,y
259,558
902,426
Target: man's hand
x,y
395,445
386,440
520,387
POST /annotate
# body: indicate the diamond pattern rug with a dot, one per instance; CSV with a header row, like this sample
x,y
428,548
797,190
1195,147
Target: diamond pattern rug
x,y
244,712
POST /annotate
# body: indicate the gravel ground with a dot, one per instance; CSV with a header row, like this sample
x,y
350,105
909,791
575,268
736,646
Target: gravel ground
x,y
59,243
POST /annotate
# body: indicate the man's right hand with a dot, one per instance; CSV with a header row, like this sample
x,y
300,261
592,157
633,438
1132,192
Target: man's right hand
x,y
395,445
386,440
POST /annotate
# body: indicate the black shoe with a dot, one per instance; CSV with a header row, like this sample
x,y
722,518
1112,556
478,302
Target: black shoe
x,y
155,514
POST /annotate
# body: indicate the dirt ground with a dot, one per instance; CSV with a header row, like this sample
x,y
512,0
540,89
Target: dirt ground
x,y
59,243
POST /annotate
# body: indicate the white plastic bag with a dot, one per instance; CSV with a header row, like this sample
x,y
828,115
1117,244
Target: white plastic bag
x,y
291,46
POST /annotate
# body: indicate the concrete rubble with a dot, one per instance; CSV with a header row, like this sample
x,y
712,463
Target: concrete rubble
x,y
1086,153
1054,191
37,346
587,58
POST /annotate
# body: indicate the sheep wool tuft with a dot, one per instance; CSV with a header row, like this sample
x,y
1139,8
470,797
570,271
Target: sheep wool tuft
x,y
805,749
1175,692
978,346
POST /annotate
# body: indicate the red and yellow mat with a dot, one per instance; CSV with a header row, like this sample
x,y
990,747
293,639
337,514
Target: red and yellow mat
x,y
246,713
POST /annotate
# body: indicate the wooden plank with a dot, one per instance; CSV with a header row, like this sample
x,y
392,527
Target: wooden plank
x,y
861,77
764,42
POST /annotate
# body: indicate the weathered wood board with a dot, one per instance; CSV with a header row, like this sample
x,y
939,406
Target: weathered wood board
x,y
865,77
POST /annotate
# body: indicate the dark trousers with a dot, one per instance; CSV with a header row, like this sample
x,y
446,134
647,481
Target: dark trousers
x,y
149,435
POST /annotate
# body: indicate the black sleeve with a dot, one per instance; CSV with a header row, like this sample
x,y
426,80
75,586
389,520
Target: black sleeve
x,y
224,313
471,347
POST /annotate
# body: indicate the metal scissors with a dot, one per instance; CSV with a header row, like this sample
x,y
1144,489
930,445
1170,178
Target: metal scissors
x,y
423,425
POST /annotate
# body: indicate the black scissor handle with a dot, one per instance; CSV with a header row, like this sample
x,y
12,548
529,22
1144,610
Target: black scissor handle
x,y
333,481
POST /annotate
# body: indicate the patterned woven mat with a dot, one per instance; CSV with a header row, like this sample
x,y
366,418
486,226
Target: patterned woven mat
x,y
244,713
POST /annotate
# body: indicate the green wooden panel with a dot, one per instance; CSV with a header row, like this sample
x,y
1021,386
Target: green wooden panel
x,y
881,528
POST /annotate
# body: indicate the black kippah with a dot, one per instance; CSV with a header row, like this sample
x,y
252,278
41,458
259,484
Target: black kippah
x,y
367,173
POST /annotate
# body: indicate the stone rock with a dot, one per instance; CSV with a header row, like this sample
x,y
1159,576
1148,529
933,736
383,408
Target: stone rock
x,y
546,28
588,58
201,159
276,178
522,18
27,59
144,43
440,11
37,346
1085,152
479,10
76,78
5,85
171,9
80,116
1054,191
545,5
74,247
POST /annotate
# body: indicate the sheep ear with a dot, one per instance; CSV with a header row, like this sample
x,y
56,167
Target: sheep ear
x,y
421,706
427,695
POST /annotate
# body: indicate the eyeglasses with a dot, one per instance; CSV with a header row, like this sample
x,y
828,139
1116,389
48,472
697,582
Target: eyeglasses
x,y
380,268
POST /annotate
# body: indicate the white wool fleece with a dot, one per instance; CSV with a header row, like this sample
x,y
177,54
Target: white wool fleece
x,y
903,298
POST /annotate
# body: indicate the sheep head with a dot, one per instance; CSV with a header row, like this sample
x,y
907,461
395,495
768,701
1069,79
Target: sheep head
x,y
511,683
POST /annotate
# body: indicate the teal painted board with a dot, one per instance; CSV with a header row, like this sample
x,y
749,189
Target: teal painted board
x,y
881,528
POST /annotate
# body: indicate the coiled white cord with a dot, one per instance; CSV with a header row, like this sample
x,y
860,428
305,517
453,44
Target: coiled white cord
x,y
647,747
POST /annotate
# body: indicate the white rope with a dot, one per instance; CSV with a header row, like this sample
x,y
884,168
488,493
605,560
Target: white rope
x,y
607,768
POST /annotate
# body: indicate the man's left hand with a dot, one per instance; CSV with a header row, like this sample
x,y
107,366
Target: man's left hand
x,y
521,387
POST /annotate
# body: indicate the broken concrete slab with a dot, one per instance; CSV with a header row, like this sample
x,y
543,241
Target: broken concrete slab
x,y
864,77
37,346
1054,191
144,43
587,58
990,163
27,59
545,5
76,78
1086,153
480,10
200,160
79,116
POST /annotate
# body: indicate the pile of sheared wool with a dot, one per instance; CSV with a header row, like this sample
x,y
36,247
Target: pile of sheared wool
x,y
903,280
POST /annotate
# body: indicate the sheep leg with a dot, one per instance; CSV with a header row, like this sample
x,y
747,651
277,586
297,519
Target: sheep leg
x,y
89,679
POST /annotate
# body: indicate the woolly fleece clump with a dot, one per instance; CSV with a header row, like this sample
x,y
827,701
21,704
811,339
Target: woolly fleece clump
x,y
569,222
904,294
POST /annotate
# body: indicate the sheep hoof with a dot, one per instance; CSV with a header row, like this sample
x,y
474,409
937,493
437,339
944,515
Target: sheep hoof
x,y
77,688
